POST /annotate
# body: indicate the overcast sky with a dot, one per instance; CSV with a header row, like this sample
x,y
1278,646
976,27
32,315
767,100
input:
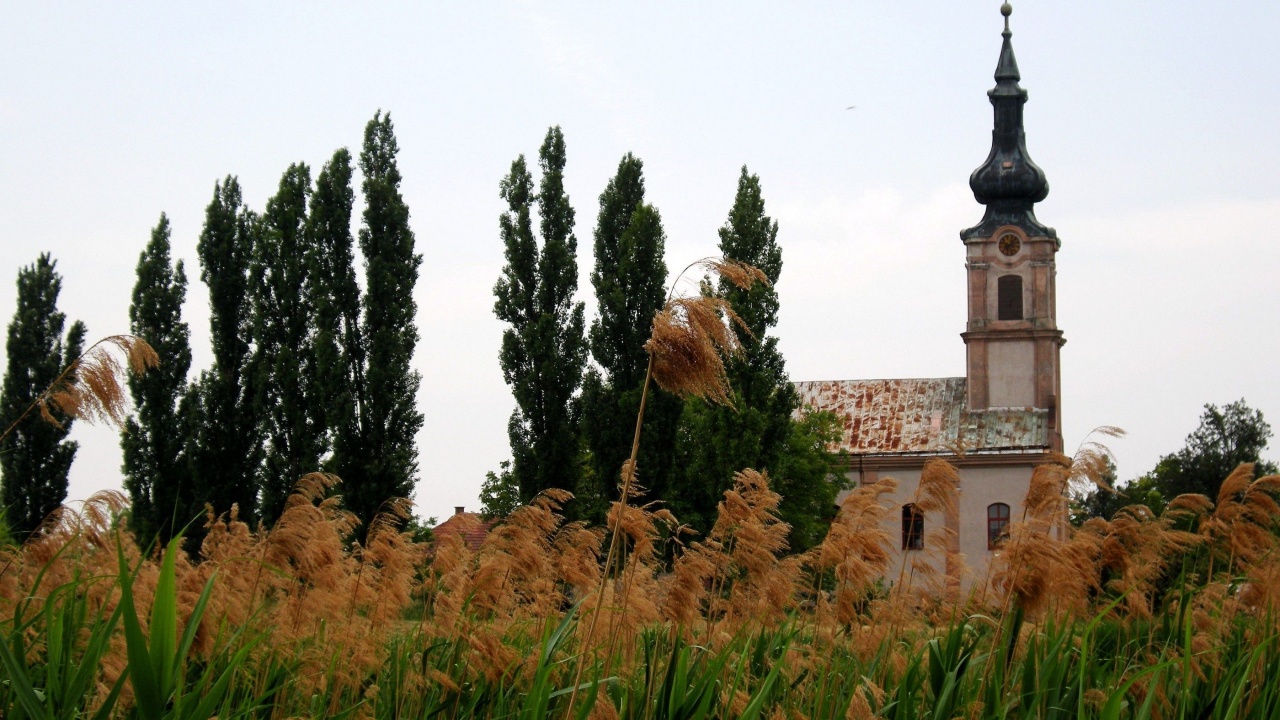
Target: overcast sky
x,y
1157,124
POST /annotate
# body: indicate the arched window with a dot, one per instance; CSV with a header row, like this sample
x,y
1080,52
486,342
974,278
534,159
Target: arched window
x,y
997,524
912,528
1009,297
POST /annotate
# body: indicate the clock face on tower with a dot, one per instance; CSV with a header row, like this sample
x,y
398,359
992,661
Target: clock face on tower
x,y
1010,244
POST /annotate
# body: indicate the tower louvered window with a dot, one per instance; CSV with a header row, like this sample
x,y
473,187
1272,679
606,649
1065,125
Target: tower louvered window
x,y
1009,297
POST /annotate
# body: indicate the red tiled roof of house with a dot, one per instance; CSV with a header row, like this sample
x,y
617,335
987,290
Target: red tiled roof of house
x,y
471,527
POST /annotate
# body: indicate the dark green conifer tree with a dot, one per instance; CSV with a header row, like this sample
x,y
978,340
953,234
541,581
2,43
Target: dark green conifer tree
x,y
284,360
390,418
544,350
35,455
760,432
226,445
156,469
629,278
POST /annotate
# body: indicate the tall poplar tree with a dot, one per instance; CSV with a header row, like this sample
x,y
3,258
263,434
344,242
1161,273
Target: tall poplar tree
x,y
35,455
544,350
226,445
338,344
630,279
284,360
153,443
391,420
760,432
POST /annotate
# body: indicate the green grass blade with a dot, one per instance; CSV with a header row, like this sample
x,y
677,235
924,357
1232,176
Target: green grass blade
x,y
164,623
589,699
674,685
99,640
538,699
20,683
1243,682
213,697
763,695
197,614
1144,711
109,704
1111,710
56,618
142,676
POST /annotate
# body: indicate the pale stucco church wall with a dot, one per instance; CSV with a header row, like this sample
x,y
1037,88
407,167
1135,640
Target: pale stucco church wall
x,y
982,486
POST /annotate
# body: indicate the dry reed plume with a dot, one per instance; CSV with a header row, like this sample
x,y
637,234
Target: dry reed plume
x,y
1042,562
856,550
693,335
92,387
335,612
937,493
690,339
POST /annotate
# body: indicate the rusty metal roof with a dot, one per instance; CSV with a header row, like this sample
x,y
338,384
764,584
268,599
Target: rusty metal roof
x,y
921,415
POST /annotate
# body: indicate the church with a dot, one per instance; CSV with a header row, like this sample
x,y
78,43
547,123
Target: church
x,y
1004,415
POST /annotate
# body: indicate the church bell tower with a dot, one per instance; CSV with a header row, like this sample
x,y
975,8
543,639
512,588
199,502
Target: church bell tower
x,y
1012,339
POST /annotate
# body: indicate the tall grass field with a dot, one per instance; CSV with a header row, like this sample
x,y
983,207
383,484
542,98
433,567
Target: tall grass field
x,y
1140,617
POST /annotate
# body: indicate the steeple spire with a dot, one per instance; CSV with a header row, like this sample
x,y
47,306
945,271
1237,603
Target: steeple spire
x,y
1007,68
1008,183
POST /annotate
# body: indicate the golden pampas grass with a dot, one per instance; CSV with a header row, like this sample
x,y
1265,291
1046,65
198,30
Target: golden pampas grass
x,y
388,562
577,557
341,614
686,595
1240,527
446,587
860,703
936,493
382,622
761,580
857,548
93,387
691,338
1032,553
1093,460
737,273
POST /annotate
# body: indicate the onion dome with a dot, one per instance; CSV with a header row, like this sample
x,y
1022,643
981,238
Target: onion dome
x,y
1008,183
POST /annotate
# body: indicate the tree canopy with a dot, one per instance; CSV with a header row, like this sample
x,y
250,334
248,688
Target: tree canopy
x,y
35,455
629,278
544,349
154,442
387,464
1227,437
340,356
226,445
284,356
760,431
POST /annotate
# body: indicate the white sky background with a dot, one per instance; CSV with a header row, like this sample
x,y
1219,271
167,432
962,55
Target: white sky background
x,y
1155,122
